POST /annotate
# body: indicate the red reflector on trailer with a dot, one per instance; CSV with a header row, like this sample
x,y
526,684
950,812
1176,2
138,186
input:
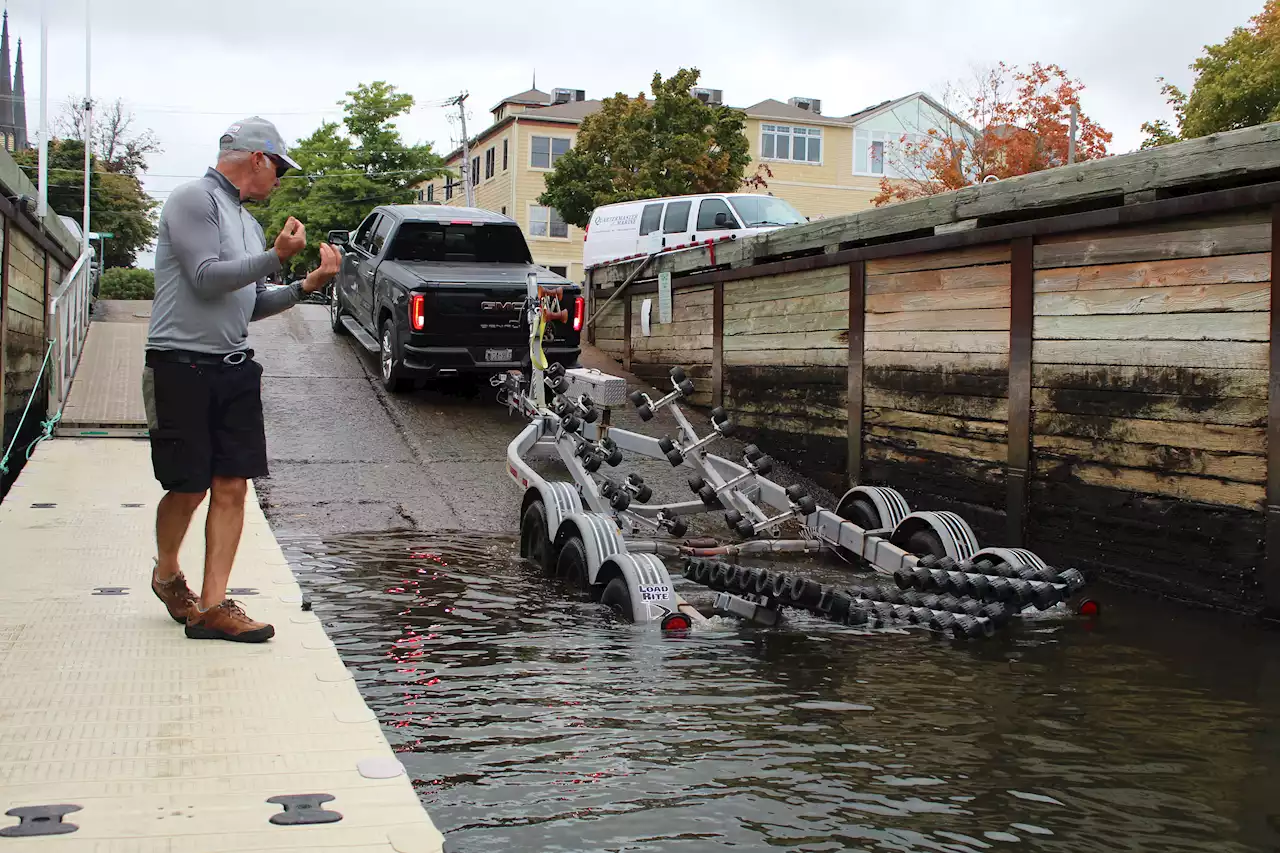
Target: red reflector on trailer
x,y
461,222
676,622
1089,607
579,311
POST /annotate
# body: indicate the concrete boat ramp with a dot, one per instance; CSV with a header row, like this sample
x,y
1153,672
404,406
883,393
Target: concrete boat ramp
x,y
164,743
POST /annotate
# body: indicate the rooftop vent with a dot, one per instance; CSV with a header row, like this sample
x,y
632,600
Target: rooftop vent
x,y
713,97
564,96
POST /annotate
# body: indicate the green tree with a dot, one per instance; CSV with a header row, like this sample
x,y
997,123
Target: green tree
x,y
635,148
122,283
1237,84
118,203
350,168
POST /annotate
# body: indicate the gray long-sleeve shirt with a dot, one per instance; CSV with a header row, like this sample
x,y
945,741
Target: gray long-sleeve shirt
x,y
211,269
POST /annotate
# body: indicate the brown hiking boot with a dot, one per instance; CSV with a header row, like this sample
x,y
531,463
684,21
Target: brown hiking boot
x,y
227,621
176,595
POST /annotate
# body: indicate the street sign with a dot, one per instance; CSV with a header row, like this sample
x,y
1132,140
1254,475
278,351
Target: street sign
x,y
664,297
105,235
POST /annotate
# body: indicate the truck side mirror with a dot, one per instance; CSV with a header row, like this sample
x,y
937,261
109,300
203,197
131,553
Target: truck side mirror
x,y
722,220
339,238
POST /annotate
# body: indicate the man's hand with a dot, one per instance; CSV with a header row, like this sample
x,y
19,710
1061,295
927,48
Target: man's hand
x,y
291,240
330,262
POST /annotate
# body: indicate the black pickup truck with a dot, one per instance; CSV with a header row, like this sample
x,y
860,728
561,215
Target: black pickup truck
x,y
438,292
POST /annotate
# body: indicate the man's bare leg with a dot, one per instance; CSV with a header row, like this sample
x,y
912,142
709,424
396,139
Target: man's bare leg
x,y
173,517
222,537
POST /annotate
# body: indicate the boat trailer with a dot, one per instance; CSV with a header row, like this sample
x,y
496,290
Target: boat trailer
x,y
599,530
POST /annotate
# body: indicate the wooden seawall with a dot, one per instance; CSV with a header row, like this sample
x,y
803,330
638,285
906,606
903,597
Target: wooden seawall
x,y
1077,361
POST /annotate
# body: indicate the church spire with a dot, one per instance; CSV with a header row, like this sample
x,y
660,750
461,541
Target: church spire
x,y
19,105
6,87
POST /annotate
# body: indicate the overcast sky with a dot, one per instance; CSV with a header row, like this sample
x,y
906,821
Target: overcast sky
x,y
188,68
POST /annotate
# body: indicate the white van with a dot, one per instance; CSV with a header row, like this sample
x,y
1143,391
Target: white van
x,y
637,228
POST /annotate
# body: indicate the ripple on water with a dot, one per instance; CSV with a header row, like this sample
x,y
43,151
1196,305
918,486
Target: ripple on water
x,y
529,719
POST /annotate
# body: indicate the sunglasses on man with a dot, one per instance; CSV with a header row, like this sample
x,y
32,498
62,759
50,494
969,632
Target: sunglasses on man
x,y
281,165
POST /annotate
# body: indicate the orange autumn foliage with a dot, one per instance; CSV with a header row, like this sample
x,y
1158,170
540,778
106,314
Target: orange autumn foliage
x,y
1012,122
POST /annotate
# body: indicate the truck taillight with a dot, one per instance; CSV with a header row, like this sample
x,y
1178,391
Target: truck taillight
x,y
417,311
579,313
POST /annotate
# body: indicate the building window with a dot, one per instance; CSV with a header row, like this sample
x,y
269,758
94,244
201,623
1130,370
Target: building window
x,y
475,171
504,208
504,157
431,192
871,150
563,272
798,144
546,222
448,190
547,150
490,161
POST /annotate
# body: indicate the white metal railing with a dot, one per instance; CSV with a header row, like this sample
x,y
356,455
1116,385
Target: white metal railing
x,y
69,311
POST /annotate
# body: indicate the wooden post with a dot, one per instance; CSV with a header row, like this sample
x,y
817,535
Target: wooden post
x,y
626,332
1021,321
857,329
717,344
1270,574
4,325
589,295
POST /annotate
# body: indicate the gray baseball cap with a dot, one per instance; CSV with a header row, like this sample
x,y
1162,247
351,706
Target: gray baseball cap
x,y
256,134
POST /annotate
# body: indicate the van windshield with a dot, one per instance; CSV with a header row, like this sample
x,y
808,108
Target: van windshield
x,y
459,243
758,211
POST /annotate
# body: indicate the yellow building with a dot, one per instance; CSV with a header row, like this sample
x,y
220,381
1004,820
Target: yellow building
x,y
821,165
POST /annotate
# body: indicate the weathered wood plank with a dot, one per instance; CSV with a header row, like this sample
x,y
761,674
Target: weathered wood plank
x,y
670,342
955,278
815,304
788,341
972,342
1233,354
955,405
679,329
671,356
1181,381
787,358
783,323
1228,269
957,362
1154,457
1181,486
1248,440
1235,411
21,303
952,445
994,253
24,325
1125,246
928,422
928,300
978,320
783,423
992,383
799,410
1243,296
931,467
788,285
1235,326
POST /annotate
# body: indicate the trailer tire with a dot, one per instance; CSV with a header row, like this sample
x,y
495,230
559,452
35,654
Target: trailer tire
x,y
571,562
924,543
861,512
617,597
535,539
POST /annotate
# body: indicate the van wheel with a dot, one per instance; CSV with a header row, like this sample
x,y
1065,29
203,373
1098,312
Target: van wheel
x,y
391,360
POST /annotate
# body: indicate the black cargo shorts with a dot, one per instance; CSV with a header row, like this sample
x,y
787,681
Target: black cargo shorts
x,y
204,417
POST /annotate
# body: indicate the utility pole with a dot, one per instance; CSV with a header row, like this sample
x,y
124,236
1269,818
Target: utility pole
x,y
468,190
88,122
42,208
1071,141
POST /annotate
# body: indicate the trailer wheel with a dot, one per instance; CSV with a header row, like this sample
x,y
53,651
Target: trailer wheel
x,y
617,597
924,543
571,562
861,512
535,542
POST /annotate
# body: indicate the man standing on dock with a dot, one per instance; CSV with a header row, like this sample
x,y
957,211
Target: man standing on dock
x,y
201,386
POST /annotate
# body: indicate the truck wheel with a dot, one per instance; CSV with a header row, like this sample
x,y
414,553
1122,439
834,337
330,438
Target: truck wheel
x,y
336,312
617,597
391,360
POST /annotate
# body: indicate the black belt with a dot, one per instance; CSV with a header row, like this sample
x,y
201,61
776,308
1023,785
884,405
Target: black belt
x,y
188,357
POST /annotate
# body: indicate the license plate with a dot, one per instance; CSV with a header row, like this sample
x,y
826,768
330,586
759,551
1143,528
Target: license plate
x,y
497,355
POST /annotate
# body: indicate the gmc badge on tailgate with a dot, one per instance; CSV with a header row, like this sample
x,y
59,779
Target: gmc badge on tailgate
x,y
501,306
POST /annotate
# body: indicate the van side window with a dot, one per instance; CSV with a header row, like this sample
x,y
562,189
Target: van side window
x,y
651,219
709,210
677,219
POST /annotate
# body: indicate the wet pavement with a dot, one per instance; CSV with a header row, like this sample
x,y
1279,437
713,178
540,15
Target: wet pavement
x,y
531,720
